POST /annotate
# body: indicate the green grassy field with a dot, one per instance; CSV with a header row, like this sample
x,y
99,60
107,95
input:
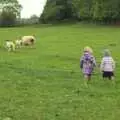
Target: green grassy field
x,y
45,82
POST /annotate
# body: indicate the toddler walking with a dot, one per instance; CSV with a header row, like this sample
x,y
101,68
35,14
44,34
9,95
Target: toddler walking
x,y
107,65
87,63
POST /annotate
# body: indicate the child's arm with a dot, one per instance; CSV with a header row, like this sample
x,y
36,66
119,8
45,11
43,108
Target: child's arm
x,y
94,62
113,64
81,62
102,65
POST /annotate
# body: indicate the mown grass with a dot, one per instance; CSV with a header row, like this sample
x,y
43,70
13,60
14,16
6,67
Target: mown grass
x,y
45,82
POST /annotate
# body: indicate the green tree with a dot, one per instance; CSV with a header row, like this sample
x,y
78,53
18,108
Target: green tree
x,y
57,10
106,11
10,12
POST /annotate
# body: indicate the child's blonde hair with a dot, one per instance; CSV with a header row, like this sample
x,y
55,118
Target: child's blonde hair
x,y
88,49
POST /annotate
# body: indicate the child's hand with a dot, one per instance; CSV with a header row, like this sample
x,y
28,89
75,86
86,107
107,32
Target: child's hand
x,y
101,71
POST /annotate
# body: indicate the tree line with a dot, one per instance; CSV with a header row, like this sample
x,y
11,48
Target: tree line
x,y
102,11
10,14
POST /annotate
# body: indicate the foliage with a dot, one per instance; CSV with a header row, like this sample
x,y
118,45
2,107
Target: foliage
x,y
29,21
57,10
7,18
10,11
93,10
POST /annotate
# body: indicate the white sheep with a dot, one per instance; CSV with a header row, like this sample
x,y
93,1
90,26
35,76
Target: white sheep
x,y
28,40
10,45
18,43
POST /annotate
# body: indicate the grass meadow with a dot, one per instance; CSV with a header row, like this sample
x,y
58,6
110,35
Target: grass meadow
x,y
45,82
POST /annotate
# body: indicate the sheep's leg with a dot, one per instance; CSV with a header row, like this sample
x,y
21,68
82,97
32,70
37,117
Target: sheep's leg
x,y
9,49
13,48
